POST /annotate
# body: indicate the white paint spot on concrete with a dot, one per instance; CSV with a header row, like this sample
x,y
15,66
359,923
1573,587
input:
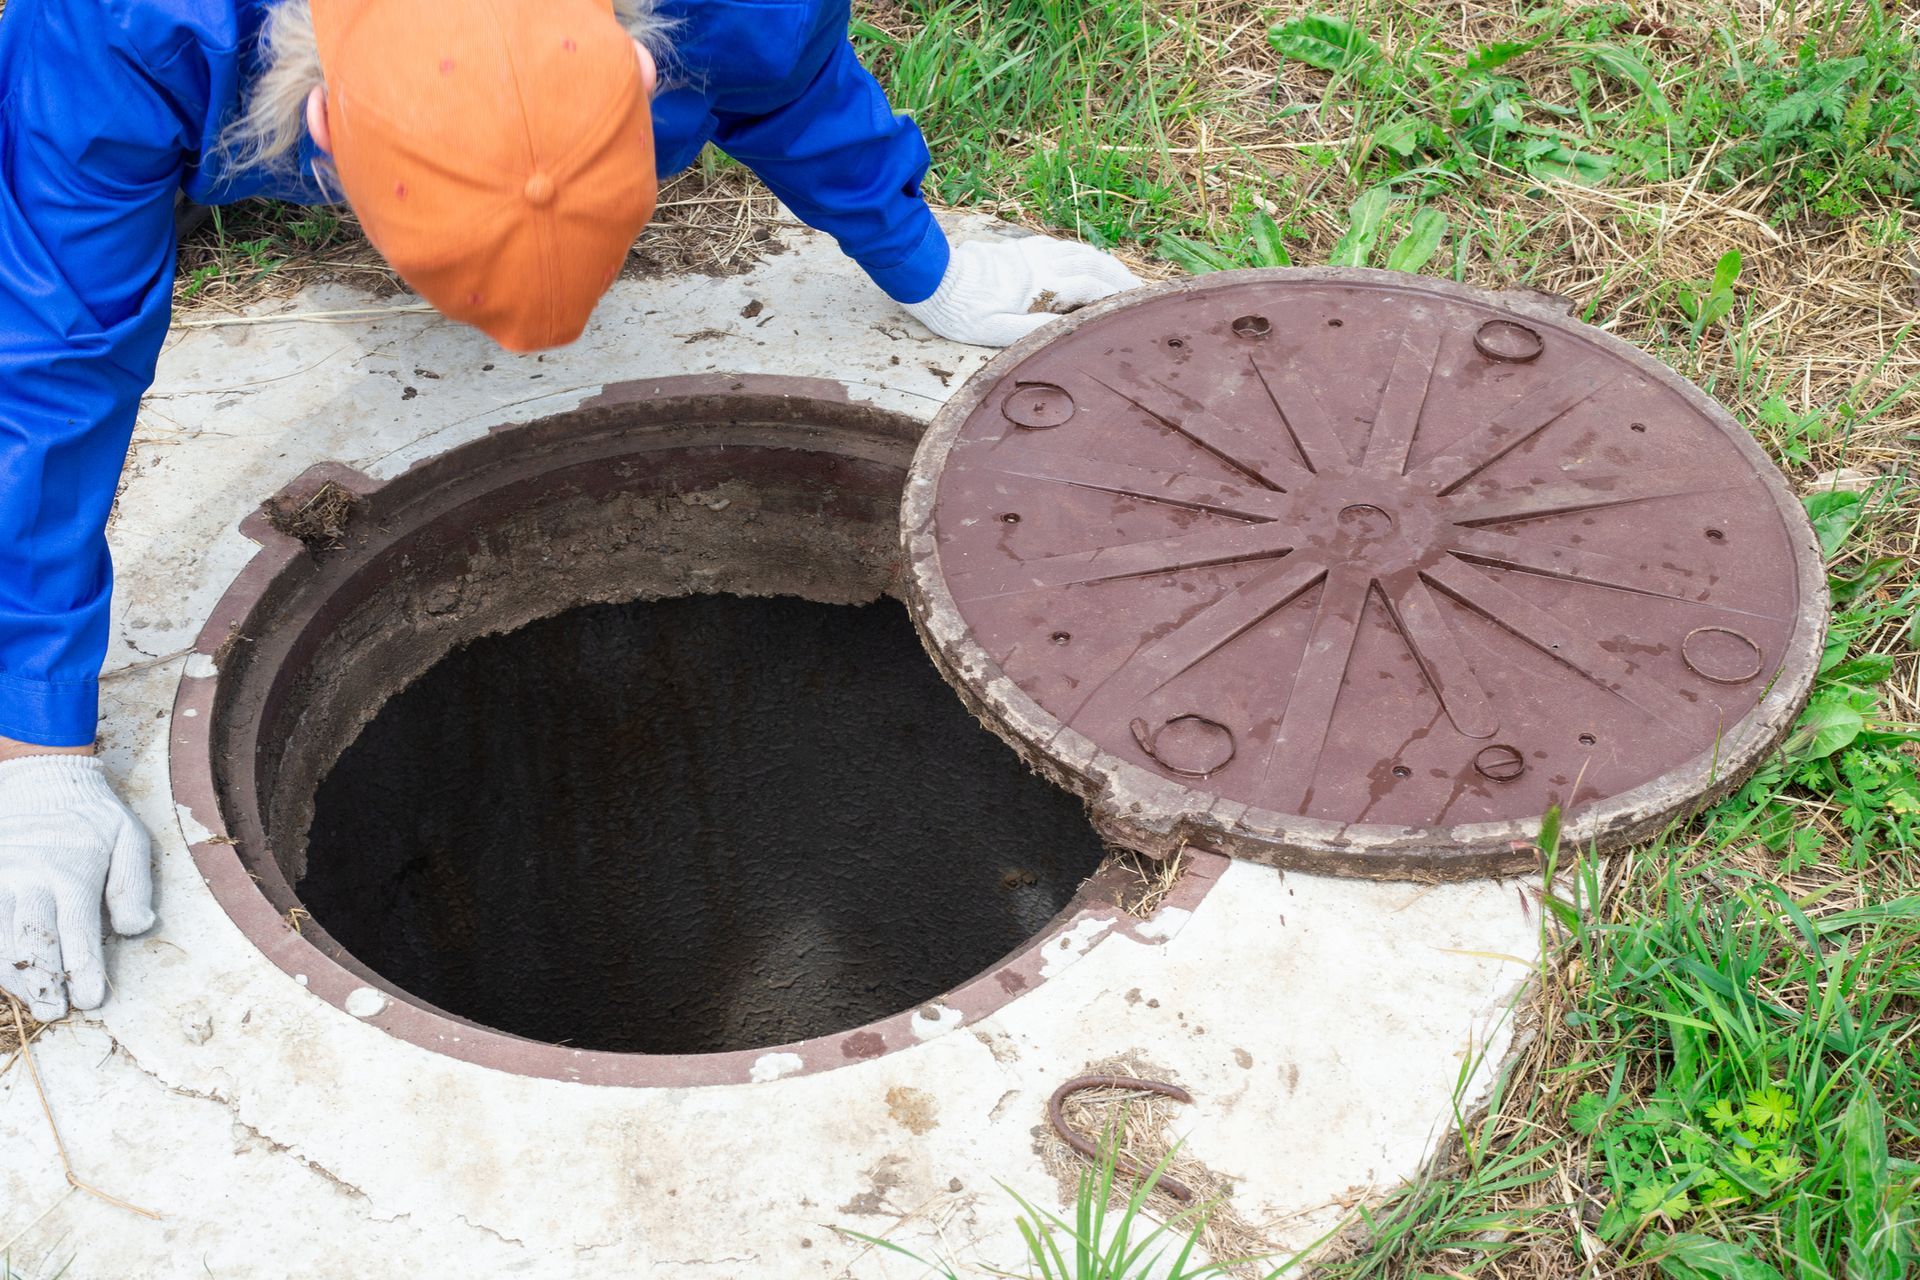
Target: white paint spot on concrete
x,y
190,826
1163,924
931,1020
201,667
1062,951
191,712
771,1066
300,978
364,1002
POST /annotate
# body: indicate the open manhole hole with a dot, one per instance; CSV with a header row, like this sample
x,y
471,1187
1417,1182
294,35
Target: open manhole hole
x,y
686,826
1360,572
604,733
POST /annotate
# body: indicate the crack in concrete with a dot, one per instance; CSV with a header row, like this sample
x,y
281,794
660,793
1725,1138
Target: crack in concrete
x,y
586,1251
232,1107
481,1226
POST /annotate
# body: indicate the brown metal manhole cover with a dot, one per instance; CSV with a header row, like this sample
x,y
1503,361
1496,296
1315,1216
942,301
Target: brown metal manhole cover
x,y
1360,572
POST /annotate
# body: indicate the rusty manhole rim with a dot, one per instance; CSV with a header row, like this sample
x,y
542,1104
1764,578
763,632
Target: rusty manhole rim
x,y
1156,815
701,400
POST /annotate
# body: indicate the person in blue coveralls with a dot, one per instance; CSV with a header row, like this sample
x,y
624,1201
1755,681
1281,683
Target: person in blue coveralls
x,y
501,154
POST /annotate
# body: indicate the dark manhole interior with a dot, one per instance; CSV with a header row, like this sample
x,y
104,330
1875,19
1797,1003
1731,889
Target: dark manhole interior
x,y
690,825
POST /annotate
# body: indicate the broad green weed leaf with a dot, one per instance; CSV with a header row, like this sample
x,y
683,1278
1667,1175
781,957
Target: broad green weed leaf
x,y
1726,271
1687,298
1490,57
1864,671
1365,215
1690,1256
1834,514
1872,1233
1840,637
1660,1199
1562,163
1626,65
1192,256
1849,586
1269,247
1829,724
1421,242
1323,41
1401,135
1506,118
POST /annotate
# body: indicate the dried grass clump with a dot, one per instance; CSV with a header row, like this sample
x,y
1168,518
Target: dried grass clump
x,y
716,219
1146,881
319,518
13,1019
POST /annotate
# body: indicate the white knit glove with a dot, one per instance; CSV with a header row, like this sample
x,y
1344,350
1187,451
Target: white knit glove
x,y
996,292
65,837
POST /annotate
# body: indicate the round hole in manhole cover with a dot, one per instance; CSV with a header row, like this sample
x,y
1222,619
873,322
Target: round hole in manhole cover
x,y
1392,550
1038,406
598,738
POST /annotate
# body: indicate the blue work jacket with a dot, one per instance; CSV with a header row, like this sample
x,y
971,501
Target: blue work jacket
x,y
110,107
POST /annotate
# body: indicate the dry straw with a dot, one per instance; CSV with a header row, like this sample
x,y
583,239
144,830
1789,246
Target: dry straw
x,y
22,1048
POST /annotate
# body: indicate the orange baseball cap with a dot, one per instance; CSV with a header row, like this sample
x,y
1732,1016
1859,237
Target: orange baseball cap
x,y
499,153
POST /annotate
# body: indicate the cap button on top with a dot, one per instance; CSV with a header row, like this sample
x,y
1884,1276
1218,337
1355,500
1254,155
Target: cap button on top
x,y
539,189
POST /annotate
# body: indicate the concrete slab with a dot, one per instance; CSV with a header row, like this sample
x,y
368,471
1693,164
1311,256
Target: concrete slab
x,y
1321,1025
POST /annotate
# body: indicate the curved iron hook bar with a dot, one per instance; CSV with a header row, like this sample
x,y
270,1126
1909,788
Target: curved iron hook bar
x,y
1149,744
1055,1116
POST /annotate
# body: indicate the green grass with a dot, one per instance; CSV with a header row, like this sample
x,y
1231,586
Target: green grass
x,y
239,247
1211,136
1097,1244
1579,95
1040,107
1846,751
1726,1087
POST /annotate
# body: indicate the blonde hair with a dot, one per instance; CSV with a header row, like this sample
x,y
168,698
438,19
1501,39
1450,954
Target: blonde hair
x,y
272,119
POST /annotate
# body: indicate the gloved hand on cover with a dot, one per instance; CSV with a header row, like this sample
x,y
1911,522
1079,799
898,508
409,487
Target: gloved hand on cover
x,y
64,839
996,292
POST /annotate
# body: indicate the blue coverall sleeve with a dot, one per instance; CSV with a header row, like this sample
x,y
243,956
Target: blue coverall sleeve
x,y
92,147
836,154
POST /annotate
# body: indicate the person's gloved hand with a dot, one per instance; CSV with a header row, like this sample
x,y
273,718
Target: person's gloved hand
x,y
64,838
996,292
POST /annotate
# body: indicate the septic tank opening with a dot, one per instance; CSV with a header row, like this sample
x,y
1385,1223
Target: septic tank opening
x,y
601,740
686,826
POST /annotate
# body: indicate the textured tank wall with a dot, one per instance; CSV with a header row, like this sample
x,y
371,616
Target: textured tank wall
x,y
687,826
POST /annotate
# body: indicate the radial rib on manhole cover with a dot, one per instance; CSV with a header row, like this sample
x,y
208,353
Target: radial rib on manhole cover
x,y
1360,572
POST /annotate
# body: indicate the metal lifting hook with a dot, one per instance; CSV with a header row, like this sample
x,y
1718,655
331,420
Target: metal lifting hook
x,y
1055,1114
